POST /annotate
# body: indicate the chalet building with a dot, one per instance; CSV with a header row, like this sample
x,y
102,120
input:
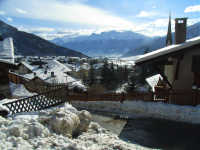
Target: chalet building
x,y
6,63
51,72
178,64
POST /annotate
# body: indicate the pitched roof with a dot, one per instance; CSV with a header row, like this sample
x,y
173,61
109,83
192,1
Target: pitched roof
x,y
153,81
168,50
30,67
7,51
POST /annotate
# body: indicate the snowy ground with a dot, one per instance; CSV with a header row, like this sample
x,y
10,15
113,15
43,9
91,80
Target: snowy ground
x,y
135,109
19,90
57,129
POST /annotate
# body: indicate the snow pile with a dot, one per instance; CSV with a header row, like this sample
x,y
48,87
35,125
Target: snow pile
x,y
59,128
19,90
135,109
154,80
122,89
3,108
4,111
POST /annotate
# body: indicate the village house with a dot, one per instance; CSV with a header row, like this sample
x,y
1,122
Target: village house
x,y
24,68
178,64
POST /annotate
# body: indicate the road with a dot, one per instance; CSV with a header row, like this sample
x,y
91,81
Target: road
x,y
162,134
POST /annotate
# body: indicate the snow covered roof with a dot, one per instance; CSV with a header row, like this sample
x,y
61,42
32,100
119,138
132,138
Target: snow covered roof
x,y
19,90
168,50
28,66
56,66
153,81
7,51
59,70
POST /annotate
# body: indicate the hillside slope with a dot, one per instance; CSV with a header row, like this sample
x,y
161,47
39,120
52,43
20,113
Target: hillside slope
x,y
30,44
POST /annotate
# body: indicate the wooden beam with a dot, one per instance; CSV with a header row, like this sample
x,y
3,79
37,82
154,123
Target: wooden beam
x,y
179,58
160,59
164,76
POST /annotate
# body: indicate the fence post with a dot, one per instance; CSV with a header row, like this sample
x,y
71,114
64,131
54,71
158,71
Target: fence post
x,y
196,97
152,96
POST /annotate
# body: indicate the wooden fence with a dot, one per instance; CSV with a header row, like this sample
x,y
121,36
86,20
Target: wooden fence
x,y
38,102
60,95
178,97
172,97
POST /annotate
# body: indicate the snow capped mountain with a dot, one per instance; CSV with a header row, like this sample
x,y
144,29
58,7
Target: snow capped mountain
x,y
159,42
114,43
105,43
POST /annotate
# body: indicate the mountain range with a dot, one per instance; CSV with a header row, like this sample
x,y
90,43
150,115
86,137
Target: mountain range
x,y
114,43
28,44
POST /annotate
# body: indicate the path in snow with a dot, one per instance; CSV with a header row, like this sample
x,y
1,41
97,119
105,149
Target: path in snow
x,y
153,133
162,134
113,125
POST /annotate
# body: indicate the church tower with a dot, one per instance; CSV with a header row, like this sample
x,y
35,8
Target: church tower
x,y
169,33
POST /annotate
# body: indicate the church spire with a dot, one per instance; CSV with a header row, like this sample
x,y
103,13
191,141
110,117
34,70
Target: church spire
x,y
169,33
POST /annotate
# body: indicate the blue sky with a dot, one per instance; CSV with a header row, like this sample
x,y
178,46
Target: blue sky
x,y
56,18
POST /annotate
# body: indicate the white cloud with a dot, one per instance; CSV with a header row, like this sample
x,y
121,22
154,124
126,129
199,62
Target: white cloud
x,y
2,13
21,11
161,22
43,29
76,13
65,12
193,21
157,27
143,14
195,8
154,6
36,30
9,19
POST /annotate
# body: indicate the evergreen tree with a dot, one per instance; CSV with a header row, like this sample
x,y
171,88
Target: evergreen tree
x,y
131,83
125,74
105,73
91,76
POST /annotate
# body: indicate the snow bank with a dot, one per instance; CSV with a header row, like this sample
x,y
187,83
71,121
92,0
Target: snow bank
x,y
4,111
54,128
135,109
19,90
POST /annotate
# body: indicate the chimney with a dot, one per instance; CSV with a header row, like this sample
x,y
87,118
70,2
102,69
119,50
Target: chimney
x,y
180,30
